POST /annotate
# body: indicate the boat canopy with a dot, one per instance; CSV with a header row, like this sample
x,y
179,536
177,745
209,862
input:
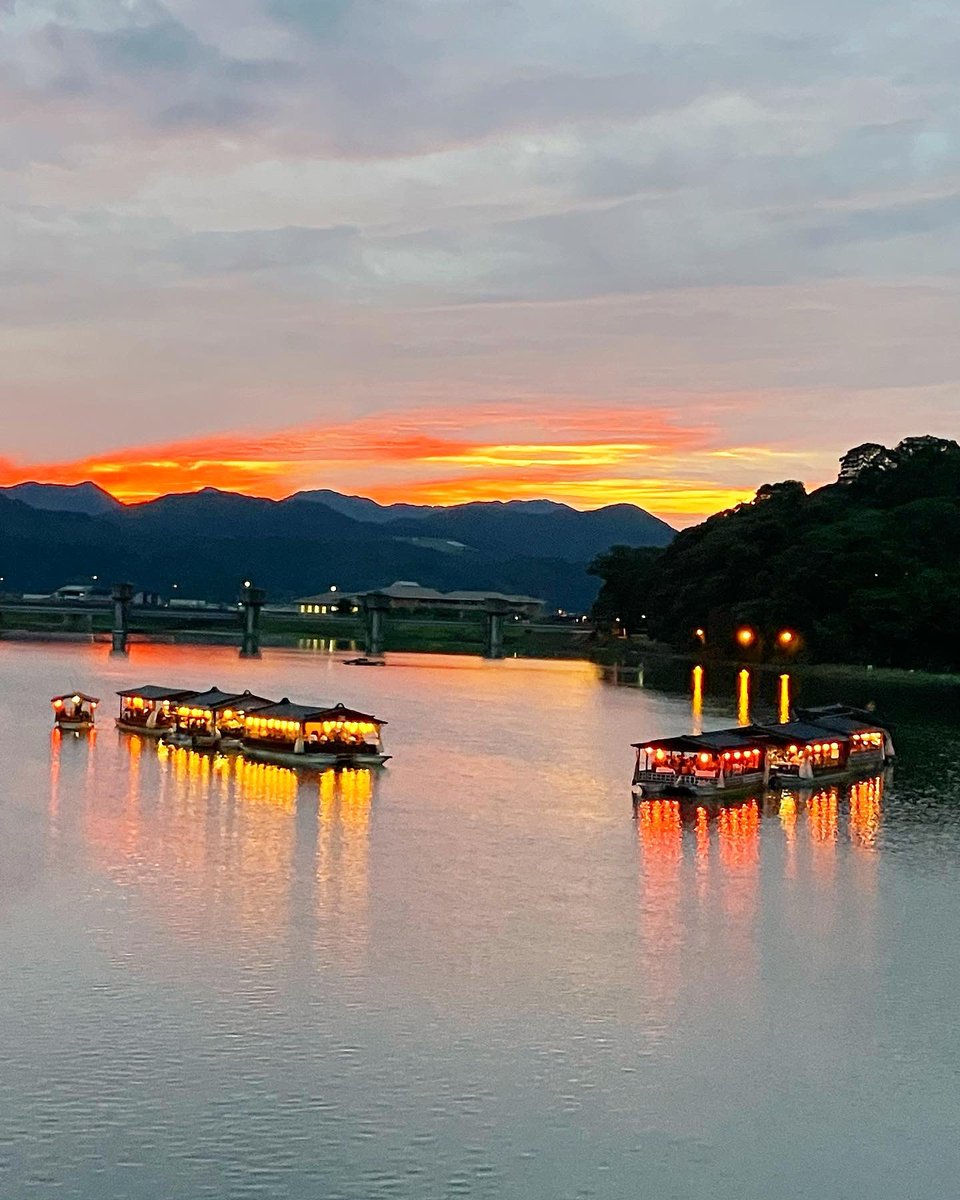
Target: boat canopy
x,y
340,712
849,725
150,692
798,733
216,700
715,742
286,710
76,698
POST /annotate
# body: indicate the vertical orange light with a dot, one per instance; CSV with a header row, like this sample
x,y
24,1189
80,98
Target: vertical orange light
x,y
696,705
784,699
743,698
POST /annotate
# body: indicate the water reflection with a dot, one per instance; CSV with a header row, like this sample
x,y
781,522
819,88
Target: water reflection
x,y
232,854
783,707
730,832
696,704
319,645
743,698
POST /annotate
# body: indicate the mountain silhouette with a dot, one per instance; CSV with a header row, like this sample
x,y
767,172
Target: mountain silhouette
x,y
207,541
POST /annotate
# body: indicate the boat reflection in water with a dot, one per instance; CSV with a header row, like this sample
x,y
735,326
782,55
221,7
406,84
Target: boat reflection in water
x,y
232,856
664,823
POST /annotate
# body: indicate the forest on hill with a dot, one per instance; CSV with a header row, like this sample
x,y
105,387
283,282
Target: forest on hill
x,y
864,570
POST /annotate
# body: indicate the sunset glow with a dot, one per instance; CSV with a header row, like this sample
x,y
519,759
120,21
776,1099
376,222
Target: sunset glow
x,y
675,472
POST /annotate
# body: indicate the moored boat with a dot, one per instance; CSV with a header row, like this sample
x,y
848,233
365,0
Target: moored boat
x,y
727,762
213,720
75,712
825,744
301,735
820,746
149,710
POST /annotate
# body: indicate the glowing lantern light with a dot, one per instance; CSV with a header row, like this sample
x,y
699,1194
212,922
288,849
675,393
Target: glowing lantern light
x,y
786,637
746,637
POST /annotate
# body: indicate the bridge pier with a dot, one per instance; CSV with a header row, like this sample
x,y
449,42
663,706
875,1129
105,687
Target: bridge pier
x,y
251,601
121,594
495,613
375,607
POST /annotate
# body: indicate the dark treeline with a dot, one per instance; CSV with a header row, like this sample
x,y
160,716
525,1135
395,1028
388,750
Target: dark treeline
x,y
865,570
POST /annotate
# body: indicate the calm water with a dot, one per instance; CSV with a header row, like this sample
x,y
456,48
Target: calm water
x,y
475,975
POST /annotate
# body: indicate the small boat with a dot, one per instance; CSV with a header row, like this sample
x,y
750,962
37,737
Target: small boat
x,y
364,662
75,712
213,720
302,735
726,763
149,710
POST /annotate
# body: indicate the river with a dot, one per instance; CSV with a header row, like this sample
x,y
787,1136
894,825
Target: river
x,y
477,973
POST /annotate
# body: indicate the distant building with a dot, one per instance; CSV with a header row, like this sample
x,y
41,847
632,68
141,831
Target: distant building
x,y
410,596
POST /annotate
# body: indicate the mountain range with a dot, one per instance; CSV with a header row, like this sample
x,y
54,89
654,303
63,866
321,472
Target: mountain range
x,y
207,541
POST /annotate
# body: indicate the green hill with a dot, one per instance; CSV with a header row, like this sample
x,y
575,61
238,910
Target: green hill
x,y
865,570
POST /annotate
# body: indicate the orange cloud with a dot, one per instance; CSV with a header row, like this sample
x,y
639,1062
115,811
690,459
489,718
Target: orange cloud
x,y
583,457
680,502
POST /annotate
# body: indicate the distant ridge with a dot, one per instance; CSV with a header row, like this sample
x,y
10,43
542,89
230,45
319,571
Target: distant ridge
x,y
206,541
85,498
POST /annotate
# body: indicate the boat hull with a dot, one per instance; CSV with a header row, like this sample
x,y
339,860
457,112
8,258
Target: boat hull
x,y
74,726
866,764
155,731
318,762
743,785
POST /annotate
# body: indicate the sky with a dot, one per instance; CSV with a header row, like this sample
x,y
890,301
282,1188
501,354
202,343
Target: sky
x,y
442,250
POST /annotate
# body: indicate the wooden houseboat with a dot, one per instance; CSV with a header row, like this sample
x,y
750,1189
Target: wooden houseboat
x,y
149,710
213,720
728,762
823,745
74,712
300,735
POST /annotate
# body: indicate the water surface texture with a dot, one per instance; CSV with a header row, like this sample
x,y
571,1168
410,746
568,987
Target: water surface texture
x,y
475,974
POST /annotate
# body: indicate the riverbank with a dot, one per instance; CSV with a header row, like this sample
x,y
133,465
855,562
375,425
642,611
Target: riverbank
x,y
633,654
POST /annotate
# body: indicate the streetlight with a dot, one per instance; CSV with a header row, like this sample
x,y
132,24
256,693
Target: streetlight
x,y
786,638
746,637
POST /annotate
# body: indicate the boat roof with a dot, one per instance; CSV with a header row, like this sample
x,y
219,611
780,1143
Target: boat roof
x,y
340,712
715,739
799,731
76,696
848,725
286,710
150,691
217,699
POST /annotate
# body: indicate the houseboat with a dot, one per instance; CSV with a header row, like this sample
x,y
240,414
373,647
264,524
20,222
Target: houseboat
x,y
74,712
149,710
821,745
301,735
824,745
213,720
728,762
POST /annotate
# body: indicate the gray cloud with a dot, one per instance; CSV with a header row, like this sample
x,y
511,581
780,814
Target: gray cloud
x,y
406,155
